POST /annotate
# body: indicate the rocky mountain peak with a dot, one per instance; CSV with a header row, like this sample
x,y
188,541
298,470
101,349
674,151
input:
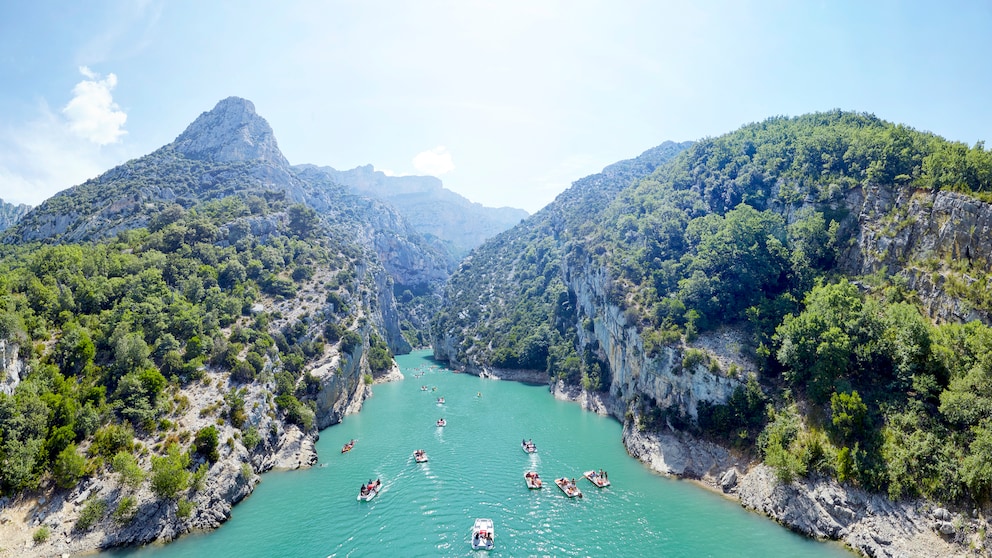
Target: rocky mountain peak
x,y
232,131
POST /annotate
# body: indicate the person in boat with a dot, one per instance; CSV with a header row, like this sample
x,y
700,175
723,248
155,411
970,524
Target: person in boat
x,y
362,491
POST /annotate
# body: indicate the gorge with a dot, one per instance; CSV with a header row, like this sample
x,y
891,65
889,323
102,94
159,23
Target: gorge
x,y
794,314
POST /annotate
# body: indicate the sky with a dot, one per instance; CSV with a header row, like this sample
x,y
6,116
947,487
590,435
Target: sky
x,y
507,102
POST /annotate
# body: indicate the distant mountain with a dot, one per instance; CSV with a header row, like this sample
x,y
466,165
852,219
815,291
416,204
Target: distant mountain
x,y
10,213
430,208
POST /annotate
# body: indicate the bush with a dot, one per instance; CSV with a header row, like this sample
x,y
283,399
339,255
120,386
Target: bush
x,y
126,509
184,508
41,534
69,467
111,439
169,474
127,467
251,437
93,511
205,443
349,341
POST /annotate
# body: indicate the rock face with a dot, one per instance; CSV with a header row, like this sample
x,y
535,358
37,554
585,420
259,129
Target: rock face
x,y
10,213
232,131
10,367
919,233
869,523
634,373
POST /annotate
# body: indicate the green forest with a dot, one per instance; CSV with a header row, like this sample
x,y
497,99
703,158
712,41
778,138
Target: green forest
x,y
110,331
747,230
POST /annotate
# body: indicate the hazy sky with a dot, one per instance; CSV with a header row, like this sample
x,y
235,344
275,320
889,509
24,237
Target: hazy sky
x,y
507,102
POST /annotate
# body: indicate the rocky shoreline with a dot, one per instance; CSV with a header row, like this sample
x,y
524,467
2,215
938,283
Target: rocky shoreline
x,y
819,508
229,480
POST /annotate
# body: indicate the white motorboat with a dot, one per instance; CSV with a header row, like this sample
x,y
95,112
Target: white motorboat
x,y
370,490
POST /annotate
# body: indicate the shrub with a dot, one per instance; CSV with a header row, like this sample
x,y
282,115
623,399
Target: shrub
x,y
169,474
41,534
251,437
126,509
184,508
111,439
127,467
93,511
69,467
349,341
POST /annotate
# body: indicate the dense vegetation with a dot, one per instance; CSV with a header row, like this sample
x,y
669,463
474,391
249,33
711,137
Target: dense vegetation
x,y
531,323
109,331
748,230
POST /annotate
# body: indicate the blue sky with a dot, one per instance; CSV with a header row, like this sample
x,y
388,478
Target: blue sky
x,y
507,102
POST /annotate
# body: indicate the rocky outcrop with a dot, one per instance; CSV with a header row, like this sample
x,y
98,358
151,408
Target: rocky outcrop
x,y
869,523
231,131
11,366
11,213
661,378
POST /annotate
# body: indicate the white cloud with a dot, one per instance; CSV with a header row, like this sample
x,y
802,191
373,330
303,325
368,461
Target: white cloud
x,y
92,113
434,162
54,150
42,157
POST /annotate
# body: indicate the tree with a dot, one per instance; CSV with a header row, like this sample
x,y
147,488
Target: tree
x,y
850,416
69,467
303,220
169,473
125,464
205,443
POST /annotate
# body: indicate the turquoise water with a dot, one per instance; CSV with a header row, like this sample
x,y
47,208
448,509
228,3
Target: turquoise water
x,y
476,469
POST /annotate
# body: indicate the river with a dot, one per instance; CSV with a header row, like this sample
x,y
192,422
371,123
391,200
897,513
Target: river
x,y
475,469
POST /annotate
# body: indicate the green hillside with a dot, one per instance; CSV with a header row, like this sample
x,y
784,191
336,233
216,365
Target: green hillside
x,y
759,230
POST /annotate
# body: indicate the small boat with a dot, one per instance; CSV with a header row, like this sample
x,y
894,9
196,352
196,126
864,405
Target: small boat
x,y
568,487
440,401
442,422
597,477
370,490
483,534
347,447
420,456
528,446
533,480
